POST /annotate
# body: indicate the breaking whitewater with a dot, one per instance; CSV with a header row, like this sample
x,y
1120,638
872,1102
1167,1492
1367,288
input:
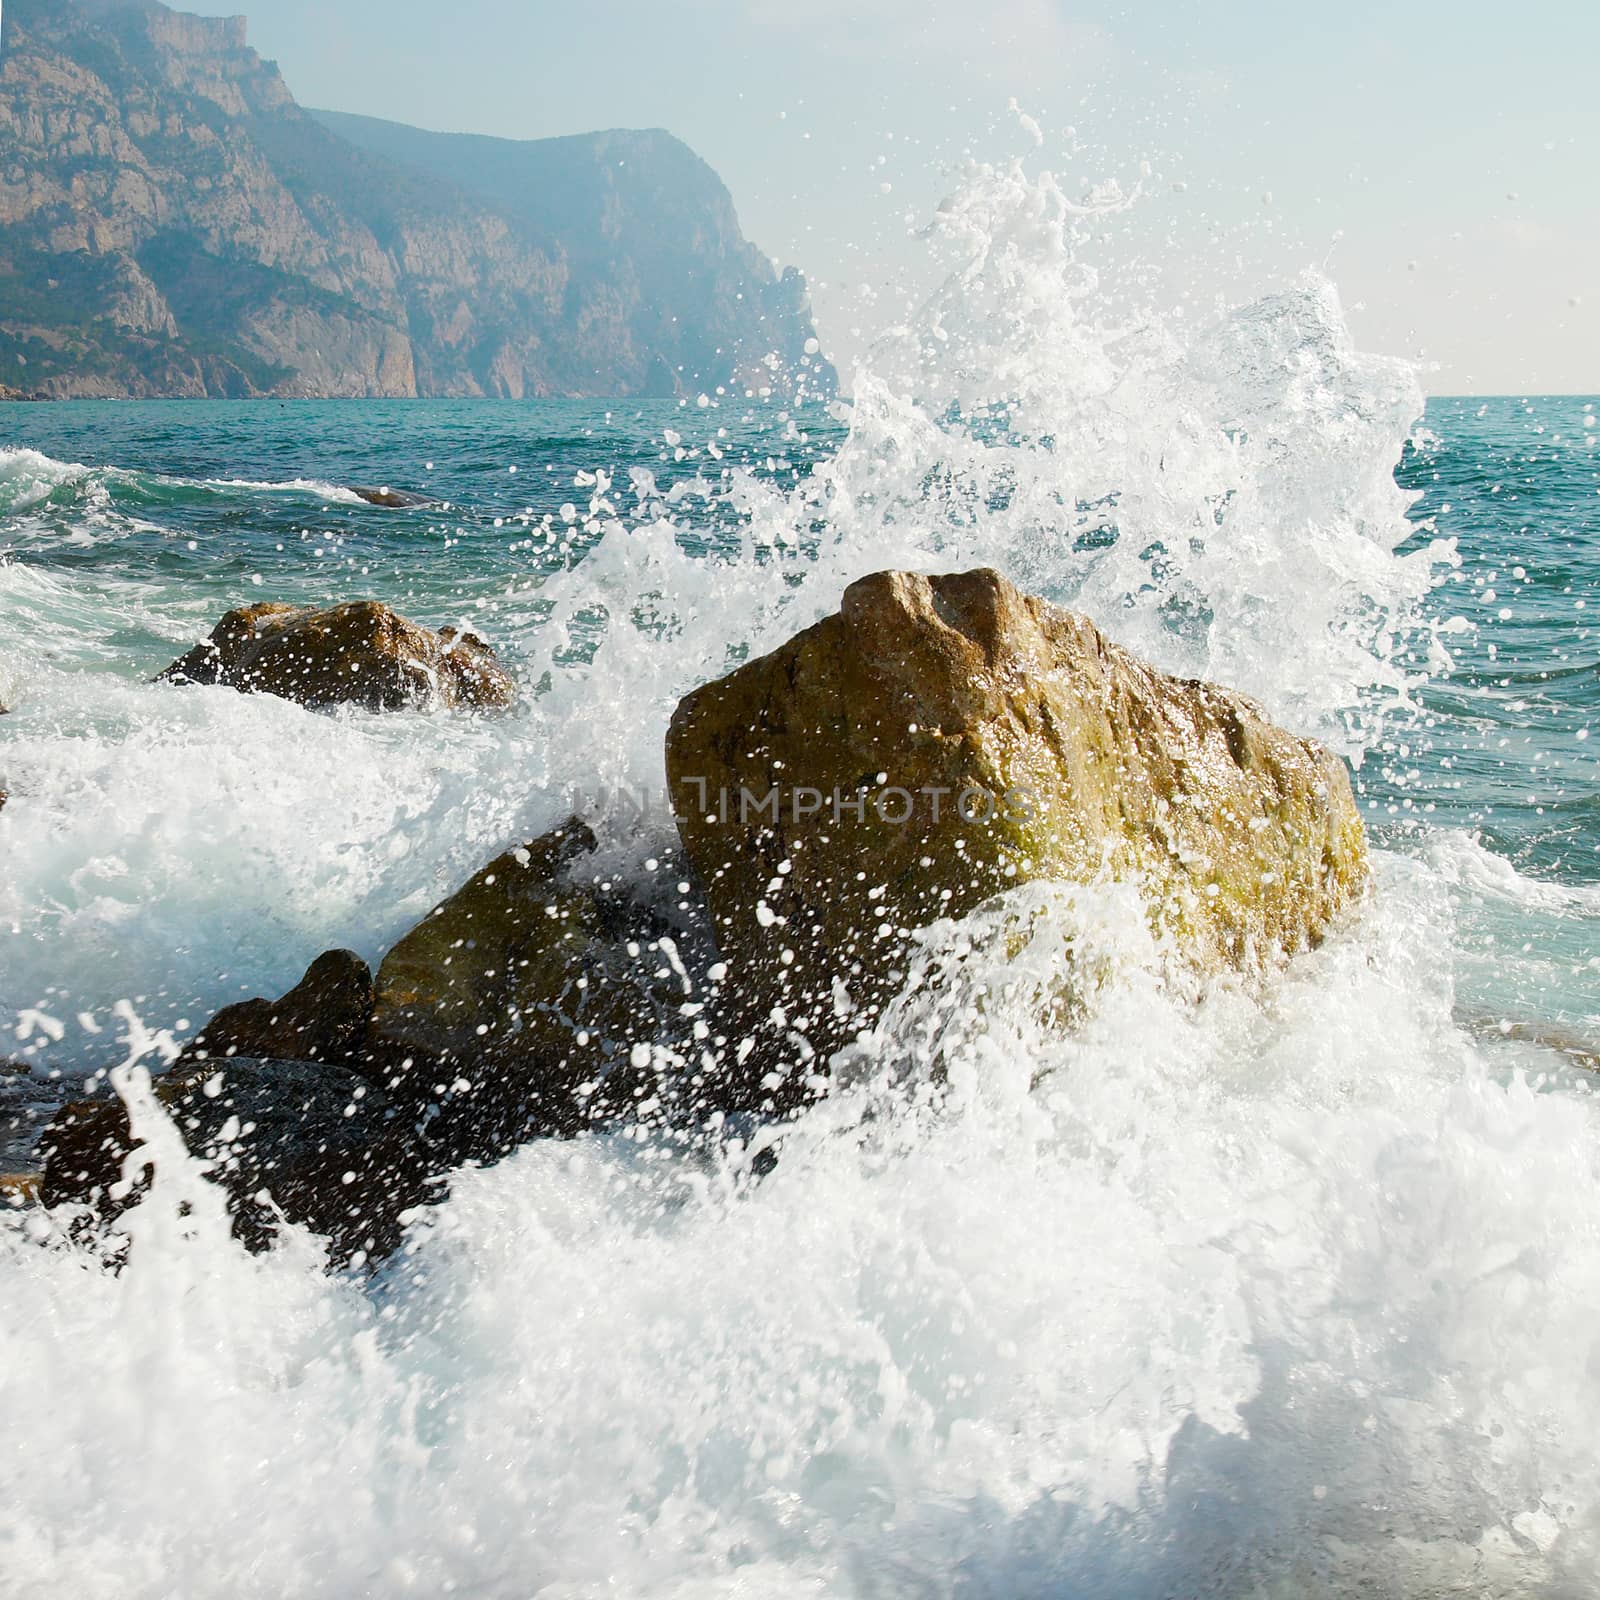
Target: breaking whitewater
x,y
1252,1293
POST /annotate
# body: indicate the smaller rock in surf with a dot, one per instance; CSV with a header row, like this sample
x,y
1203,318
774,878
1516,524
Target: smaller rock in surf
x,y
360,653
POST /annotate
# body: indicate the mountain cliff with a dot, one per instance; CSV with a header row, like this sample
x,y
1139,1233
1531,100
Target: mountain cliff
x,y
173,223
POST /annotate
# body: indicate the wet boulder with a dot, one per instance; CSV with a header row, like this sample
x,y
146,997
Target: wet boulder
x,y
361,653
535,1000
315,1142
538,1000
940,739
323,1018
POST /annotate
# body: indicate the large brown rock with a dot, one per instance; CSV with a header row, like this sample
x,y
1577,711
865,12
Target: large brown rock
x,y
529,1001
323,1018
940,739
316,1142
360,653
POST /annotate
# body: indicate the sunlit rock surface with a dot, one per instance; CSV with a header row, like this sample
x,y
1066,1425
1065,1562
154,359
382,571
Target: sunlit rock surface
x,y
941,739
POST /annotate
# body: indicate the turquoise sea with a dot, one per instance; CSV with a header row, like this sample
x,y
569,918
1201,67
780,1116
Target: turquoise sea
x,y
1277,1294
129,528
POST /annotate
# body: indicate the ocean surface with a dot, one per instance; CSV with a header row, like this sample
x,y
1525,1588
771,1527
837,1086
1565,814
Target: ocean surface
x,y
1294,1293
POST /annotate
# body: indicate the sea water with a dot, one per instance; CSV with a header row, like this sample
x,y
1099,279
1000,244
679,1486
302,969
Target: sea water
x,y
1283,1293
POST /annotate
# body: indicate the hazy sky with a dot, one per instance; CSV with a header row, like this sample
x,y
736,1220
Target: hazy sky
x,y
1442,160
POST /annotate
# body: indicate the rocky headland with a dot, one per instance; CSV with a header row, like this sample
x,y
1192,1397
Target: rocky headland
x,y
172,223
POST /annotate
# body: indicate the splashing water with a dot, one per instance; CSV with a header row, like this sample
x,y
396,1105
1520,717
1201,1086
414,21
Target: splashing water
x,y
1219,1295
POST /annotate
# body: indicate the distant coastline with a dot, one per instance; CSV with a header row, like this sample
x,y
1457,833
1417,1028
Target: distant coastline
x,y
174,225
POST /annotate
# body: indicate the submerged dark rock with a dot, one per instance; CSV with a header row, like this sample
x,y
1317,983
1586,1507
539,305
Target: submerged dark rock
x,y
323,1018
391,499
359,653
316,1142
1580,1051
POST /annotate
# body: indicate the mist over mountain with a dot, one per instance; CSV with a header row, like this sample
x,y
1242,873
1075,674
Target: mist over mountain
x,y
173,223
